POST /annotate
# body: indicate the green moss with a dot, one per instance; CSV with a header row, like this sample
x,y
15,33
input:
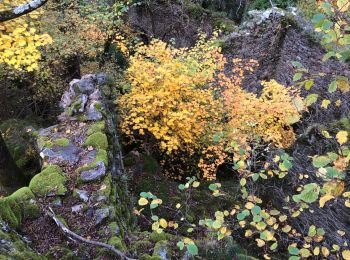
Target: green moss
x,y
98,105
155,237
44,141
118,243
82,117
148,257
50,181
61,142
108,183
97,140
96,127
141,246
18,206
101,156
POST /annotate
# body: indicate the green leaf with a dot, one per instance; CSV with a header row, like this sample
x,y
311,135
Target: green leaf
x,y
240,216
255,176
213,187
192,249
312,231
332,87
293,250
155,218
320,161
309,194
180,245
182,187
273,246
328,55
256,209
311,99
318,18
309,83
297,76
297,64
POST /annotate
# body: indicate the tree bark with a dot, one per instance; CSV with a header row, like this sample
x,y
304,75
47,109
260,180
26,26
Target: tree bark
x,y
10,175
6,15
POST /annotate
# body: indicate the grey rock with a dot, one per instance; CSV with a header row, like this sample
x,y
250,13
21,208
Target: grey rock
x,y
101,215
57,202
61,154
92,113
101,78
90,213
96,95
86,85
161,249
94,174
83,195
66,100
77,208
88,158
100,198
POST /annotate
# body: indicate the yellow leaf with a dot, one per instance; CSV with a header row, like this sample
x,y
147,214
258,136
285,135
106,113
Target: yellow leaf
x,y
342,137
178,205
143,201
195,184
347,203
248,233
163,223
249,205
223,230
325,251
260,242
324,199
346,254
317,251
325,103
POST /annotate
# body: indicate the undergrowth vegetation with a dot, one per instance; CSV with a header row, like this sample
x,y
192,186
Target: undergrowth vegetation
x,y
183,104
189,110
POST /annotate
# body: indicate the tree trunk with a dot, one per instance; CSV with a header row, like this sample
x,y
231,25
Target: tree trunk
x,y
10,175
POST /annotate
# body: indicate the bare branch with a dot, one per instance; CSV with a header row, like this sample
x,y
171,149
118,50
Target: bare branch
x,y
21,10
75,236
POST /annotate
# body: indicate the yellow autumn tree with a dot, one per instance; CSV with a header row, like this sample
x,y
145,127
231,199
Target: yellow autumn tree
x,y
20,41
171,99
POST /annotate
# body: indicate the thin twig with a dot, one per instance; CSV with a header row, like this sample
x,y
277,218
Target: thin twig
x,y
73,235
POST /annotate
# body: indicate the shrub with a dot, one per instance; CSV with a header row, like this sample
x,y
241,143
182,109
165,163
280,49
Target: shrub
x,y
171,100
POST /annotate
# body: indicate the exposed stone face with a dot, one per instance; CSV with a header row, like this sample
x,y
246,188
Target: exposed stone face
x,y
82,98
94,174
61,155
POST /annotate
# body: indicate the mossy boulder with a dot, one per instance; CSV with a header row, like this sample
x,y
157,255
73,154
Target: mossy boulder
x,y
118,243
64,142
96,127
18,206
97,140
13,245
161,249
49,182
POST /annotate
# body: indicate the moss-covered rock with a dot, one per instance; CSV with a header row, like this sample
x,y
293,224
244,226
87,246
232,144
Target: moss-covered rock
x,y
118,243
97,140
148,257
18,206
161,249
61,142
51,181
96,127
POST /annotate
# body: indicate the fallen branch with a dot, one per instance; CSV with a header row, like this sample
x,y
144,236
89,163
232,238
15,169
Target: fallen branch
x,y
21,10
73,236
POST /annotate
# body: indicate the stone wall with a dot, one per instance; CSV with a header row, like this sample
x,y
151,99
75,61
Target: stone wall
x,y
82,178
